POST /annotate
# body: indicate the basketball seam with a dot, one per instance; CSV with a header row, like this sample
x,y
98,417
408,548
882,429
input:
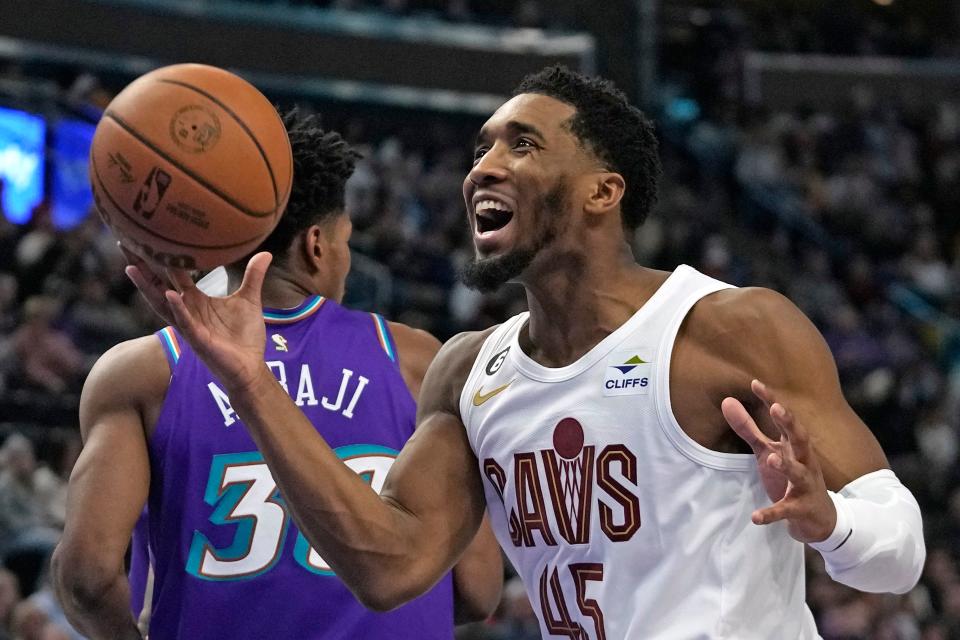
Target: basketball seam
x,y
209,187
132,219
243,125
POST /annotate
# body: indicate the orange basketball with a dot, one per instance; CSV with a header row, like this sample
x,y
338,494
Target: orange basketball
x,y
191,166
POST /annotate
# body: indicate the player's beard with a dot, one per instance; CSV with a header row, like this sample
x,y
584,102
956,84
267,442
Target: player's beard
x,y
550,216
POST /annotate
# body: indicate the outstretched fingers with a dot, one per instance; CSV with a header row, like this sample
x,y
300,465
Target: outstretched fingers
x,y
184,319
181,280
763,392
253,277
150,282
794,432
784,420
774,513
744,425
152,289
784,461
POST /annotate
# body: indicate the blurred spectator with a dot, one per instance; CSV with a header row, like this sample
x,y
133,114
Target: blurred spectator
x,y
9,596
515,619
926,269
44,599
9,289
9,238
27,494
95,320
529,14
38,251
48,358
29,621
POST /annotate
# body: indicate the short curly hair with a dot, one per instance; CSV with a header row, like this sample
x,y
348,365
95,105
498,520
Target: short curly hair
x,y
605,122
322,163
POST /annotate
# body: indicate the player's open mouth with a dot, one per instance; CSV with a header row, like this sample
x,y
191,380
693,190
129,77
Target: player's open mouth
x,y
491,216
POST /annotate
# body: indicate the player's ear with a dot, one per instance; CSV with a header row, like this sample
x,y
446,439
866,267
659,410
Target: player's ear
x,y
606,192
313,245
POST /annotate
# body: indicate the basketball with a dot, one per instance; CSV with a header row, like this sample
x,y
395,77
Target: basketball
x,y
190,166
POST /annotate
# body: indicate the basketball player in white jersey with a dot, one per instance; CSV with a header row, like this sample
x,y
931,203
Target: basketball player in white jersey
x,y
655,448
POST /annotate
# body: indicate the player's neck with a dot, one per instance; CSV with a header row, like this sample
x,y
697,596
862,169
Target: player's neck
x,y
282,289
581,301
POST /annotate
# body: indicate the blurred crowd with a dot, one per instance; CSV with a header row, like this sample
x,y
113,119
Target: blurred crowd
x,y
877,27
921,29
504,13
32,511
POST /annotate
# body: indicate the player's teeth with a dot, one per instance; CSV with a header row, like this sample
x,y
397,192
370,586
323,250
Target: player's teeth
x,y
491,204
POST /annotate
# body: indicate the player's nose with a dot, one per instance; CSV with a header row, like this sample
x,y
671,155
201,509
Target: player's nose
x,y
489,169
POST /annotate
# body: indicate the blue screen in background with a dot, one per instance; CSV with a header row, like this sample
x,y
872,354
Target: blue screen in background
x,y
71,195
22,138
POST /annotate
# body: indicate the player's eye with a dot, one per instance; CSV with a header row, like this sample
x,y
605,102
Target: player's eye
x,y
478,153
524,143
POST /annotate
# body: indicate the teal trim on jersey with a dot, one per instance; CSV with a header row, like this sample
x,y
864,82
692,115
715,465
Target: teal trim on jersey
x,y
301,549
301,311
386,340
224,503
171,347
355,450
301,553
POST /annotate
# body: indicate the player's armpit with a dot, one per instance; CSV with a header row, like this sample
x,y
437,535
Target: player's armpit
x,y
108,488
765,336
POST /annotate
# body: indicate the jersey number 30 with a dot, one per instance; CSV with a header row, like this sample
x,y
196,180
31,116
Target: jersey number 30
x,y
243,494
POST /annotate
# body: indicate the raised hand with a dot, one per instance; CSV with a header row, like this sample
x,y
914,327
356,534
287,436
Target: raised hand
x,y
788,467
227,333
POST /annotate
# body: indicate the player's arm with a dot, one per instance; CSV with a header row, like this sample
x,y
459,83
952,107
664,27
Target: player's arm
x,y
389,548
108,488
820,463
478,575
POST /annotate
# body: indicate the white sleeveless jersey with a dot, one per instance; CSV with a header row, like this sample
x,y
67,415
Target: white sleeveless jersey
x,y
621,526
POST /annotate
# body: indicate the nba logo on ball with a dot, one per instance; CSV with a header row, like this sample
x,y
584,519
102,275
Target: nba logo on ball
x,y
629,373
150,195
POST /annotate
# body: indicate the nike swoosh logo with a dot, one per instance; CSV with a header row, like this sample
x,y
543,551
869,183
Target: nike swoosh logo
x,y
481,397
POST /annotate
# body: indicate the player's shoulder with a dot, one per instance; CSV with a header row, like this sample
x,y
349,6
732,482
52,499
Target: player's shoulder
x,y
132,373
457,353
416,349
136,355
413,341
461,351
739,308
450,369
751,323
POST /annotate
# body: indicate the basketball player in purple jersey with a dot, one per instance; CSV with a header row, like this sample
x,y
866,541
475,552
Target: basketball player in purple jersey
x,y
226,560
641,478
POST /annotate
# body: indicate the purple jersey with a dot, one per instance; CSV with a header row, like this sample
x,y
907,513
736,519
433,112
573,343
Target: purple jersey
x,y
227,560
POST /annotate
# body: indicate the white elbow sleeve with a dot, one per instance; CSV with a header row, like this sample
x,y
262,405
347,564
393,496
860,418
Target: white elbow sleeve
x,y
877,545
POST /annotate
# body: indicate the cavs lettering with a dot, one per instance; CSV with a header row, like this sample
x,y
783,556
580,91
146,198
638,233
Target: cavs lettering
x,y
578,483
574,483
